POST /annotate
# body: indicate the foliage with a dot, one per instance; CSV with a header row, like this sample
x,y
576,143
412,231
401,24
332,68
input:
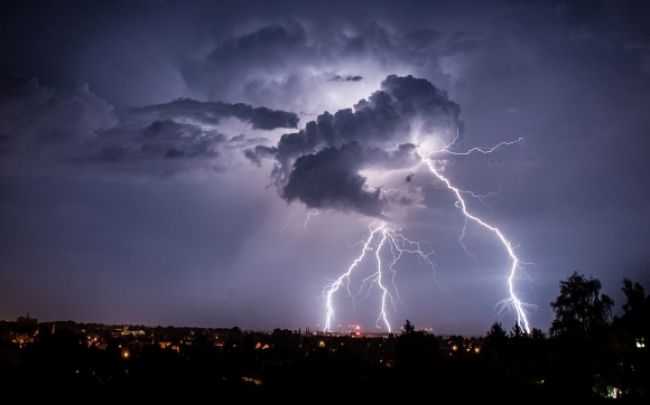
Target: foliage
x,y
580,309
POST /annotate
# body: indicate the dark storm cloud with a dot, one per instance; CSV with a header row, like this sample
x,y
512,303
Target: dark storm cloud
x,y
259,152
161,148
213,112
386,119
320,164
329,179
280,65
48,125
260,52
339,78
42,122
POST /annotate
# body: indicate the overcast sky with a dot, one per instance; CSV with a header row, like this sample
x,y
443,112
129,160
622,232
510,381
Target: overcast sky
x,y
159,160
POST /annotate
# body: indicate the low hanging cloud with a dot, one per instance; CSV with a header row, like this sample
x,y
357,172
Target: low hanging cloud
x,y
212,113
162,148
348,78
330,179
48,126
320,165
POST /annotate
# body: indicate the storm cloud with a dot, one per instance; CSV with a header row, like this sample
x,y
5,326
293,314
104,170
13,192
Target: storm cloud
x,y
211,113
320,164
330,179
300,61
48,126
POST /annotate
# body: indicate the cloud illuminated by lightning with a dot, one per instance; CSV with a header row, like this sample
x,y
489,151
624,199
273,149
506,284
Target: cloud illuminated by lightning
x,y
381,235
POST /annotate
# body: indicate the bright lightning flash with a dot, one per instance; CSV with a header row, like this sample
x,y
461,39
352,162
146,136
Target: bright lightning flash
x,y
382,236
515,263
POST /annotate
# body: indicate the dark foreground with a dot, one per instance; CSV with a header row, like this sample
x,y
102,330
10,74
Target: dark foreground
x,y
588,357
74,361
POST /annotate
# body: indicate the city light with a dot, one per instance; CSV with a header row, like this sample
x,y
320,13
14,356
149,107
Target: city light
x,y
640,343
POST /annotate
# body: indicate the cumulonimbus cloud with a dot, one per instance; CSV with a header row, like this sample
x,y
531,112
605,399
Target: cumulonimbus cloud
x,y
308,70
320,165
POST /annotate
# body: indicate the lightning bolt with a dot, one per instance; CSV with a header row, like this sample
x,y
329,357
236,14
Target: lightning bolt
x,y
481,198
484,151
310,214
383,316
333,287
381,238
515,262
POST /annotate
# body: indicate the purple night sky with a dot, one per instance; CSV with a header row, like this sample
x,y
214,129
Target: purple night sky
x,y
218,163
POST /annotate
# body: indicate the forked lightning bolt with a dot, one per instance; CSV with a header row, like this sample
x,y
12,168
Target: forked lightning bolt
x,y
345,277
381,235
381,239
383,316
484,151
517,304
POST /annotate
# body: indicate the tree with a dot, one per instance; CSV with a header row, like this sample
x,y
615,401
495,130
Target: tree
x,y
516,332
580,309
496,337
409,328
537,334
635,295
636,316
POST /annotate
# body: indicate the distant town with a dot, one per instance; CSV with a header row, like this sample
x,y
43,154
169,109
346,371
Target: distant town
x,y
588,356
128,341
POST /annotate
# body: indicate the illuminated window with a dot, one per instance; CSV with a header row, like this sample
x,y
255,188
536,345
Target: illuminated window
x,y
640,343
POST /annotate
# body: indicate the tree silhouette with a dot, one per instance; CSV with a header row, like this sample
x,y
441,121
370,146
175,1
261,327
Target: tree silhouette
x,y
496,337
633,331
636,316
537,334
409,328
580,309
635,295
516,332
581,359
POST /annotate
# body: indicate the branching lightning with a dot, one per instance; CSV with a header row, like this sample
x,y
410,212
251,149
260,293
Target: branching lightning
x,y
484,151
333,287
517,304
383,238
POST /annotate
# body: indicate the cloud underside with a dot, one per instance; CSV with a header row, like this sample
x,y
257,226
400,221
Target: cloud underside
x,y
47,125
320,165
